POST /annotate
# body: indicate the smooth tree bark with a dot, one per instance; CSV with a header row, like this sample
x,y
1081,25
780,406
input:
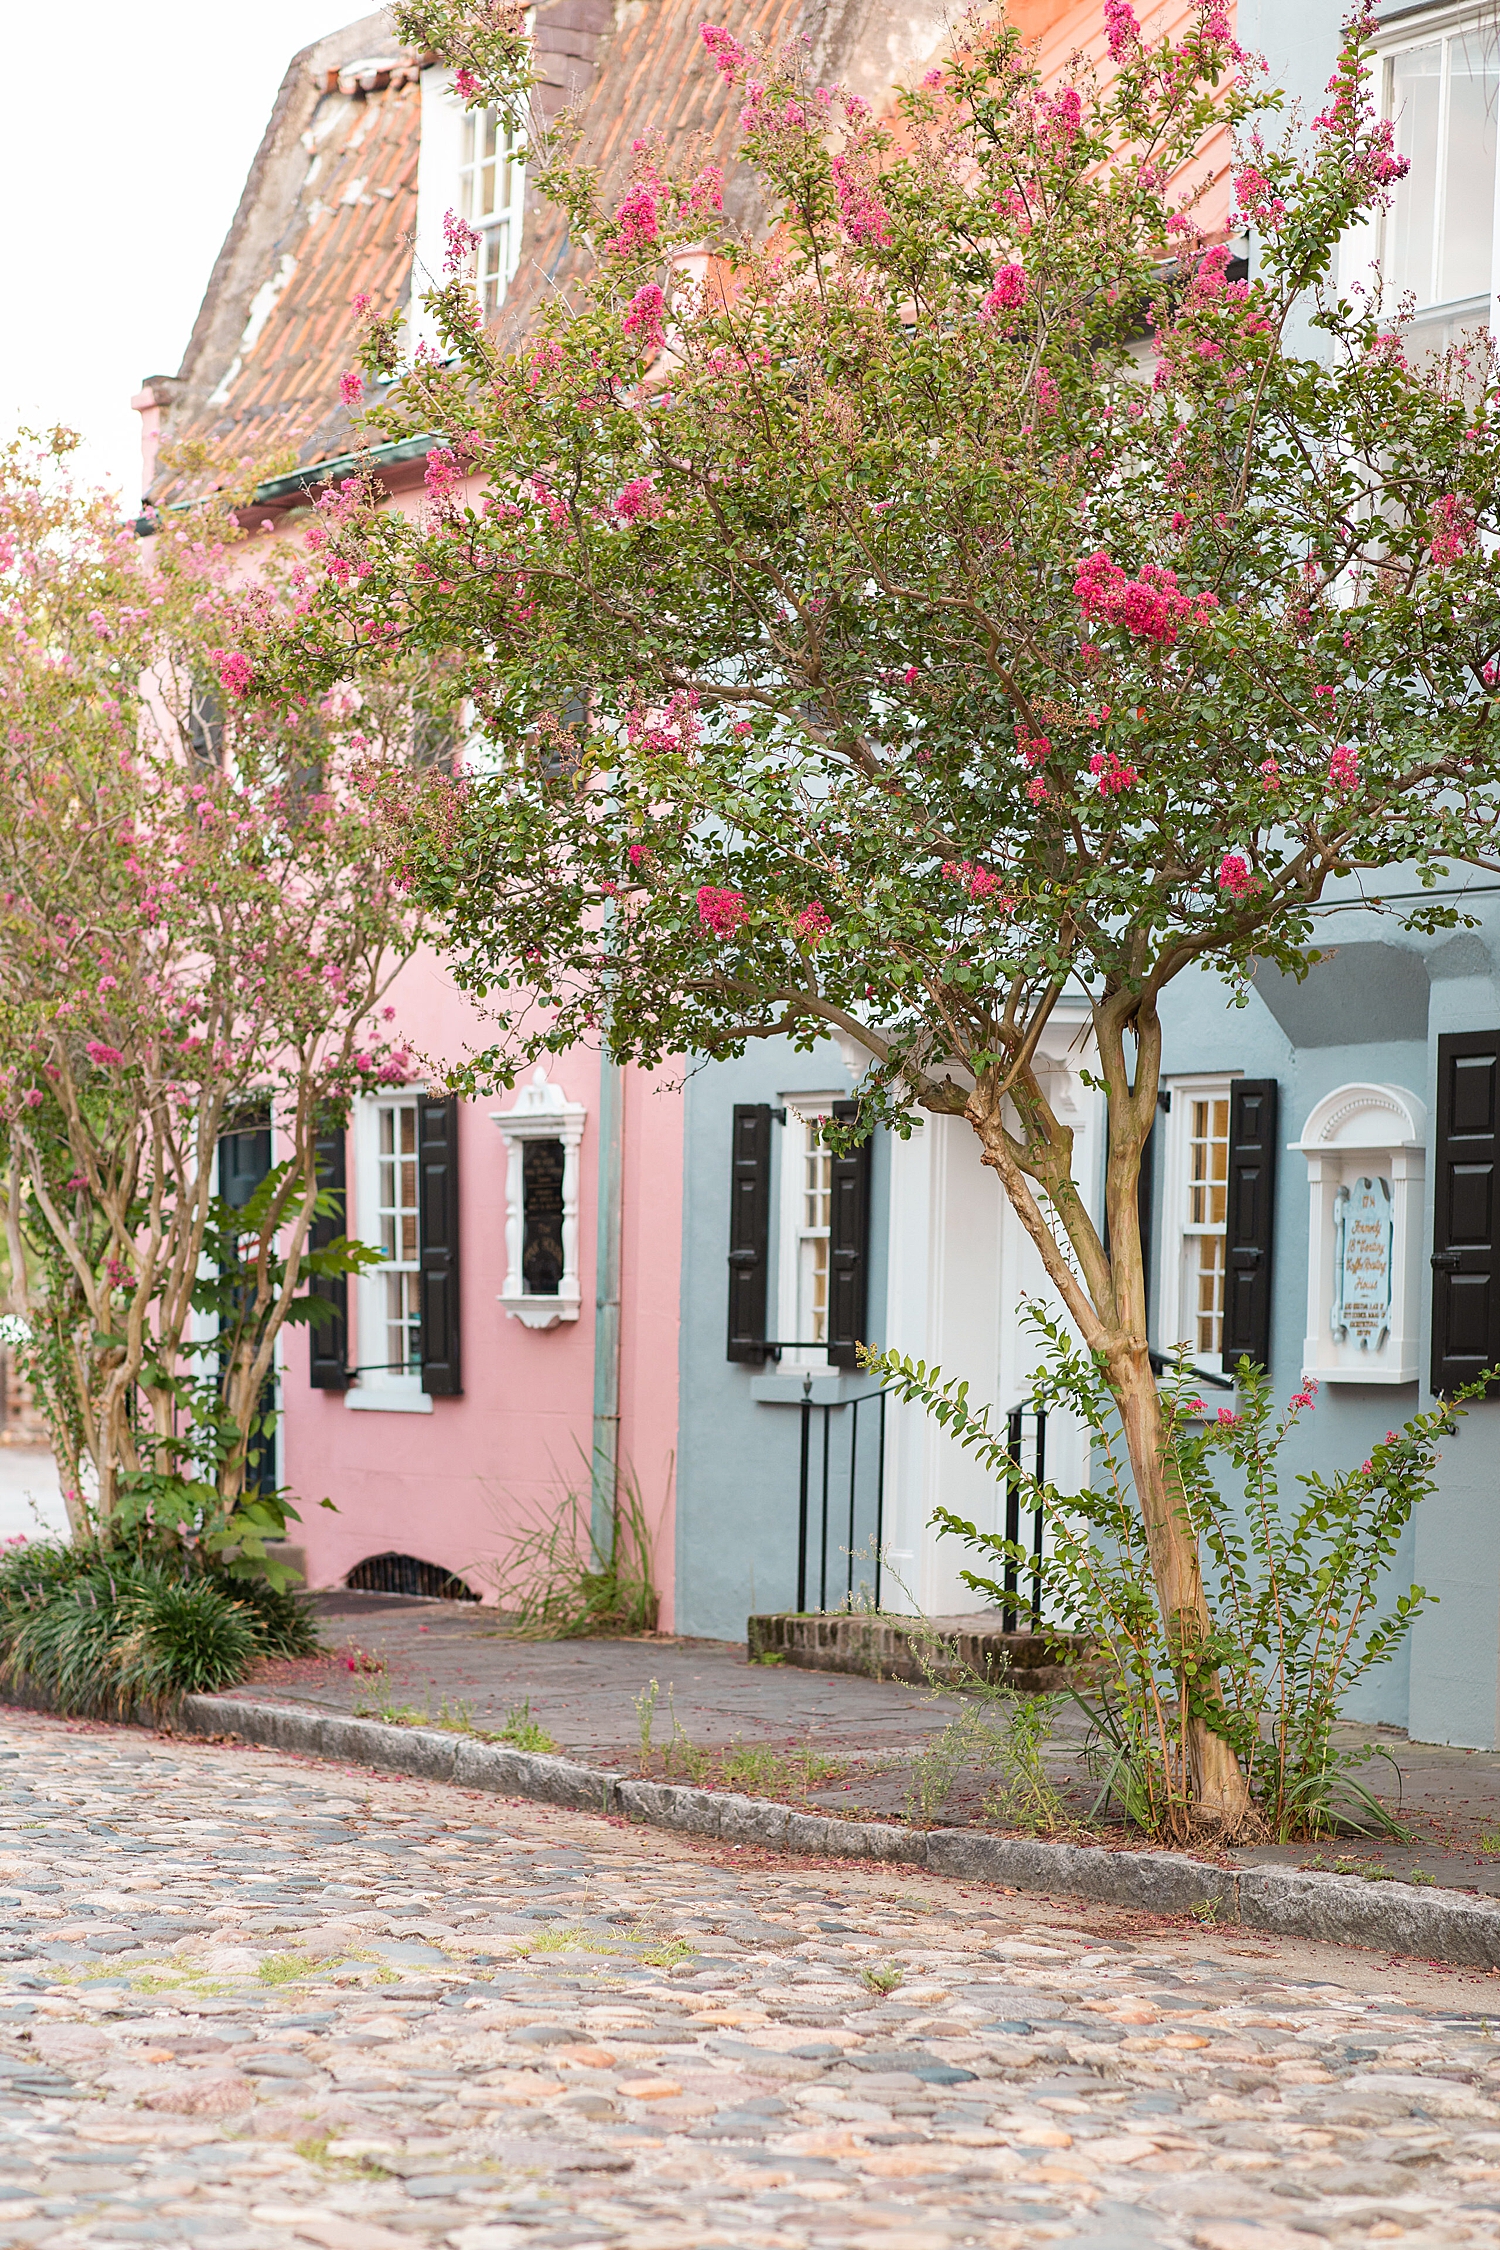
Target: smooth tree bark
x,y
950,589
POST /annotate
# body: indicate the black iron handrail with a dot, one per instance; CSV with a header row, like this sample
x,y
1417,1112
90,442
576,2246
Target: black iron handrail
x,y
851,1406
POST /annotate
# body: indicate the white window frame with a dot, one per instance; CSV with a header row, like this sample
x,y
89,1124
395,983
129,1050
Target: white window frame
x,y
540,1112
379,1389
1176,1312
499,230
1439,24
802,1110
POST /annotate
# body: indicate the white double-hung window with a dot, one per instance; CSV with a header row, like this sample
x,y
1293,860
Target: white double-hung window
x,y
1195,1207
1440,85
388,1336
806,1214
491,192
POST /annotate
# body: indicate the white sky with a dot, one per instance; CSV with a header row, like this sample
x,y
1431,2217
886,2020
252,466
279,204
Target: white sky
x,y
121,163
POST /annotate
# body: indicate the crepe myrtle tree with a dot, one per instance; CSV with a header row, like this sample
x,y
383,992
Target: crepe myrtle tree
x,y
197,918
954,590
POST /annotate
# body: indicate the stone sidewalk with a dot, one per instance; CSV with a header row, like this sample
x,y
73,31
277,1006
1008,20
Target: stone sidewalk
x,y
252,2003
584,1693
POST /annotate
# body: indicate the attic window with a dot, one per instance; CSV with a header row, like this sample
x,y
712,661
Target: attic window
x,y
491,181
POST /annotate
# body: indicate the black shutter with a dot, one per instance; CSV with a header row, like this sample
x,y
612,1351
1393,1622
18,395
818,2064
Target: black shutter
x,y
749,1230
1465,1302
848,1246
437,1154
328,1338
1250,1206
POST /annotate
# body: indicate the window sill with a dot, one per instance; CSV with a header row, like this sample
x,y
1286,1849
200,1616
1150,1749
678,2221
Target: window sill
x,y
540,1312
834,1389
388,1402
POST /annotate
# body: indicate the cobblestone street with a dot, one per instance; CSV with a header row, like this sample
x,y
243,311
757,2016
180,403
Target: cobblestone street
x,y
252,2001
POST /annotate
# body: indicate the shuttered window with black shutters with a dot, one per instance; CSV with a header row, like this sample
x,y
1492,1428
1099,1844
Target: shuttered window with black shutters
x,y
437,1151
1249,1215
749,1230
848,1248
328,1347
1465,1303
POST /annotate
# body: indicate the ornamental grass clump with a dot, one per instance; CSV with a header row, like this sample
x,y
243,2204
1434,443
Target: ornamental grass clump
x,y
98,1631
1300,1601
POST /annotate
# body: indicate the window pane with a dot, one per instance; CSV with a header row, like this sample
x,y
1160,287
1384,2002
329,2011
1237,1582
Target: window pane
x,y
1209,1165
1469,172
1415,95
1208,1306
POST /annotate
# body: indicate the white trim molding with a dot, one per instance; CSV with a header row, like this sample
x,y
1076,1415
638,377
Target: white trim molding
x,y
1364,1145
540,1112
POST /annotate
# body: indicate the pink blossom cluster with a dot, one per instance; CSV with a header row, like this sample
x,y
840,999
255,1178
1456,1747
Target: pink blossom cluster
x,y
1111,773
1304,1397
1235,877
465,84
1060,115
637,223
636,499
1035,749
1120,29
351,388
460,241
235,670
813,923
862,215
1270,774
443,474
731,60
1007,290
722,911
979,882
645,318
101,1056
1149,606
1452,530
1343,768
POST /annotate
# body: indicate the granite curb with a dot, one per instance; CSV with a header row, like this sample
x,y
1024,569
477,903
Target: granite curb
x,y
1397,1918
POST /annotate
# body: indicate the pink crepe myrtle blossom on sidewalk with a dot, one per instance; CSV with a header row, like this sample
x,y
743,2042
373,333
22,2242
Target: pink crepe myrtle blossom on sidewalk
x,y
722,911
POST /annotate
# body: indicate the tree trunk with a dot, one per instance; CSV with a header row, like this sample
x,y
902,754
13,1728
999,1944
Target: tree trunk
x,y
1219,1789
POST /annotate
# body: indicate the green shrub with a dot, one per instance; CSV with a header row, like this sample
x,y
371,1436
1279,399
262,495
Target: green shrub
x,y
99,1630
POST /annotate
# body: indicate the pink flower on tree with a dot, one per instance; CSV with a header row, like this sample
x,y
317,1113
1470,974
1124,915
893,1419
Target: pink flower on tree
x,y
813,923
1343,768
1228,1419
442,473
636,220
359,304
722,911
1452,530
1120,29
459,242
103,1057
1150,607
1234,875
351,388
465,84
1112,774
644,318
730,58
863,216
33,1097
1006,292
638,498
235,670
1270,773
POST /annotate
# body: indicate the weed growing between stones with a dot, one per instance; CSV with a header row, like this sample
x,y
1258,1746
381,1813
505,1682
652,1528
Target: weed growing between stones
x,y
521,1728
